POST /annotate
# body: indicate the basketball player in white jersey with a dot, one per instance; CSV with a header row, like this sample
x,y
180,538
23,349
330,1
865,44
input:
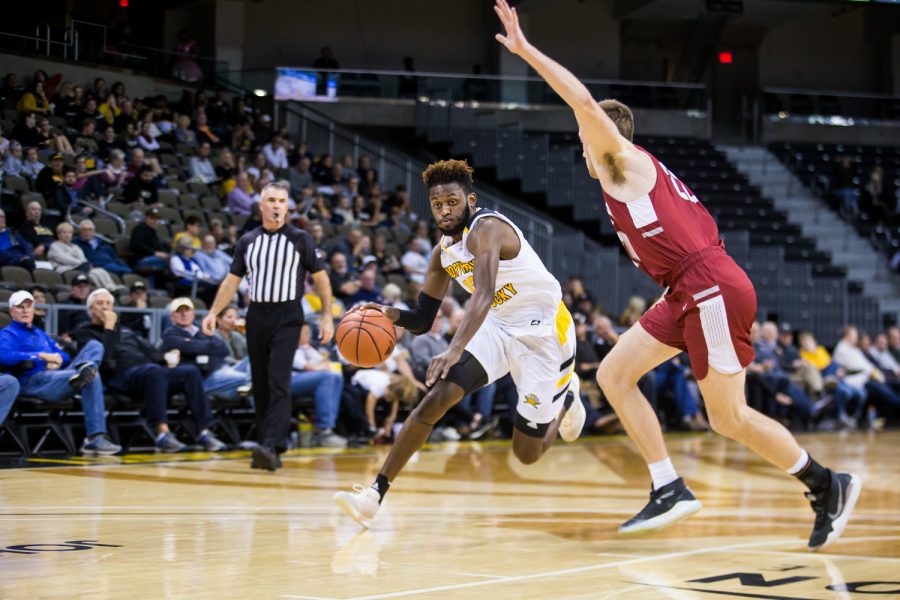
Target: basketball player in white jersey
x,y
515,322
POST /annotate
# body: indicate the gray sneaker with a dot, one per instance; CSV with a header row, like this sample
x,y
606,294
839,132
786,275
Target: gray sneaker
x,y
210,442
169,443
327,438
100,445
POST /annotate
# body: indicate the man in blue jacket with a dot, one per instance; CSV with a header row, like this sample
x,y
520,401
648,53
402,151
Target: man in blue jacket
x,y
98,252
43,376
208,352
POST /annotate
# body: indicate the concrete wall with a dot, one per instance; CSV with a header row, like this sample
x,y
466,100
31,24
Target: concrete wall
x,y
135,85
825,52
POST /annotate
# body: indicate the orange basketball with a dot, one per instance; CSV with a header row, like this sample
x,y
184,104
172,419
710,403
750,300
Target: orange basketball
x,y
365,337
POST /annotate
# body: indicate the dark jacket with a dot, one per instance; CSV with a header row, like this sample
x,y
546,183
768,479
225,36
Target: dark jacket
x,y
144,242
137,189
210,350
122,347
104,255
37,234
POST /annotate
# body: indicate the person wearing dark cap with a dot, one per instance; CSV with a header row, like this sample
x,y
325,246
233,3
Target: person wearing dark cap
x,y
142,188
148,255
71,318
50,177
140,322
65,196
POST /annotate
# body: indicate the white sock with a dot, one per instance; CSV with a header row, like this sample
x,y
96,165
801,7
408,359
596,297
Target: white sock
x,y
801,462
662,473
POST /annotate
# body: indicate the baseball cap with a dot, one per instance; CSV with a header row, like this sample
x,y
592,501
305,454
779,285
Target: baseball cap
x,y
786,328
57,156
20,297
180,303
138,285
80,278
152,212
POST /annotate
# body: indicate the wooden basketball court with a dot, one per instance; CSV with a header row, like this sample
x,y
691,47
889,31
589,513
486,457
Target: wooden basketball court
x,y
464,521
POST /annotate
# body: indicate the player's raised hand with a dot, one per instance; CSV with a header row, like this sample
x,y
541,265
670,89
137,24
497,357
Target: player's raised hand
x,y
514,40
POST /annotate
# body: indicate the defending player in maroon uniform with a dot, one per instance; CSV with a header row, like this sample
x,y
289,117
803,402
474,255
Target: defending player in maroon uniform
x,y
707,309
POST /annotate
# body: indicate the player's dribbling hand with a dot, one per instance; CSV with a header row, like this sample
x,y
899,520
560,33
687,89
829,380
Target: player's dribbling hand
x,y
441,364
326,330
514,40
389,311
209,324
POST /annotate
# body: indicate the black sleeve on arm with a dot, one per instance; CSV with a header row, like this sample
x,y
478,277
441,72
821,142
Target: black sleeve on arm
x,y
308,253
419,320
238,267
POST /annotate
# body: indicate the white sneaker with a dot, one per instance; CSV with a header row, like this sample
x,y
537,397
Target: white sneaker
x,y
573,421
360,505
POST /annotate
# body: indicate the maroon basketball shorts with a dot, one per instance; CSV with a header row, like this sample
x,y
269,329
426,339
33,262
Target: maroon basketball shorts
x,y
707,312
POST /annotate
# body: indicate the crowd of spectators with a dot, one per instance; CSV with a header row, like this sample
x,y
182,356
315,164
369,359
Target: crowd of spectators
x,y
184,176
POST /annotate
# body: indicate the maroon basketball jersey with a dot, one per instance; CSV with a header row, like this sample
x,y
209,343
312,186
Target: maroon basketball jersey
x,y
662,228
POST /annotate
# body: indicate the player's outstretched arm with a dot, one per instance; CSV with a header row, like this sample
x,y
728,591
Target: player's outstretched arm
x,y
597,129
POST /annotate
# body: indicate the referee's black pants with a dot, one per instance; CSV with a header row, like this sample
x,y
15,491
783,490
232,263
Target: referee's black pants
x,y
273,334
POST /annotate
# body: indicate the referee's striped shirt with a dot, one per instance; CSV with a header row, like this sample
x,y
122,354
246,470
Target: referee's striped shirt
x,y
275,262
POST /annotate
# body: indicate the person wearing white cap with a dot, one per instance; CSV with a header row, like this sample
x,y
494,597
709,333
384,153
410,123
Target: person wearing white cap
x,y
135,367
50,375
208,352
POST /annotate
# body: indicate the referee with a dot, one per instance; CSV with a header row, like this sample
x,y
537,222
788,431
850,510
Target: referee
x,y
275,259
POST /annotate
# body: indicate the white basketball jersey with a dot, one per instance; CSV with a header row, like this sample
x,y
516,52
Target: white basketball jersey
x,y
525,292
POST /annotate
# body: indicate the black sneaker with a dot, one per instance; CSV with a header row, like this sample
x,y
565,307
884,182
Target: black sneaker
x,y
85,373
265,458
668,505
833,509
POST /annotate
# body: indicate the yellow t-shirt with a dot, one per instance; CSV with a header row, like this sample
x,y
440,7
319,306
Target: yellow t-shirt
x,y
819,359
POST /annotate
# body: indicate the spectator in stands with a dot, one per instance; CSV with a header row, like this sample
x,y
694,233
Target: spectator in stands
x,y
133,366
14,250
50,177
186,51
138,161
14,164
31,166
276,153
36,233
226,170
313,375
845,186
65,196
893,336
127,117
780,391
388,264
69,101
862,373
99,253
148,254
66,256
204,131
368,291
26,132
300,177
71,318
109,109
201,168
364,169
184,134
800,371
40,314
212,260
88,184
107,143
140,322
88,112
51,140
188,273
142,189
4,147
227,330
207,352
46,372
882,354
115,174
98,89
849,399
415,260
10,89
86,141
344,283
191,232
145,137
34,100
240,200
636,307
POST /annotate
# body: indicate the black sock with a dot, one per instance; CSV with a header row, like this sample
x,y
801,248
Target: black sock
x,y
814,476
381,486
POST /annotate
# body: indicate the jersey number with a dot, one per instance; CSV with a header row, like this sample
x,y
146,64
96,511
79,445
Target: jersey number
x,y
680,188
